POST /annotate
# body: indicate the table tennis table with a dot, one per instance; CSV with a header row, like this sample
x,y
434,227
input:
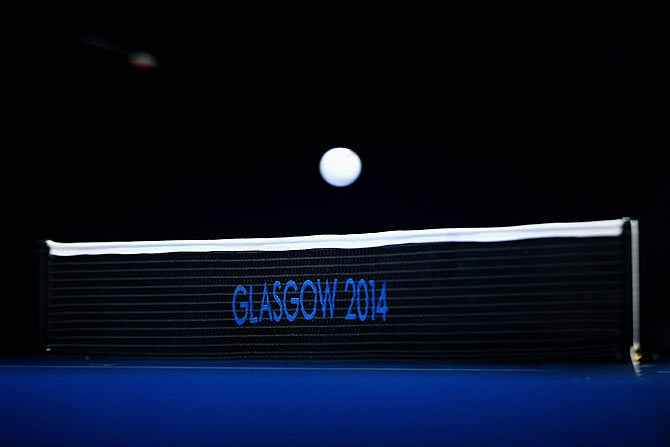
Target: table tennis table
x,y
112,401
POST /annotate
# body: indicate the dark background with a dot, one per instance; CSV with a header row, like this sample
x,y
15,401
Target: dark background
x,y
459,121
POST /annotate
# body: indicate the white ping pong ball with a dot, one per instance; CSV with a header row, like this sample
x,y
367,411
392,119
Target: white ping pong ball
x,y
340,166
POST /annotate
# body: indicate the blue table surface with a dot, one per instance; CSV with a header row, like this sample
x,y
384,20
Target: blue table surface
x,y
107,402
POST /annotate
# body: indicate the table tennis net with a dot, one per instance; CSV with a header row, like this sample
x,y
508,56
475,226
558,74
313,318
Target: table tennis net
x,y
549,291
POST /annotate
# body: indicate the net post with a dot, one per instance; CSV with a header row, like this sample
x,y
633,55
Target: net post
x,y
635,349
43,254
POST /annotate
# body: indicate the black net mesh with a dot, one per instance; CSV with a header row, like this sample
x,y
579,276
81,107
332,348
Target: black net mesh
x,y
529,299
